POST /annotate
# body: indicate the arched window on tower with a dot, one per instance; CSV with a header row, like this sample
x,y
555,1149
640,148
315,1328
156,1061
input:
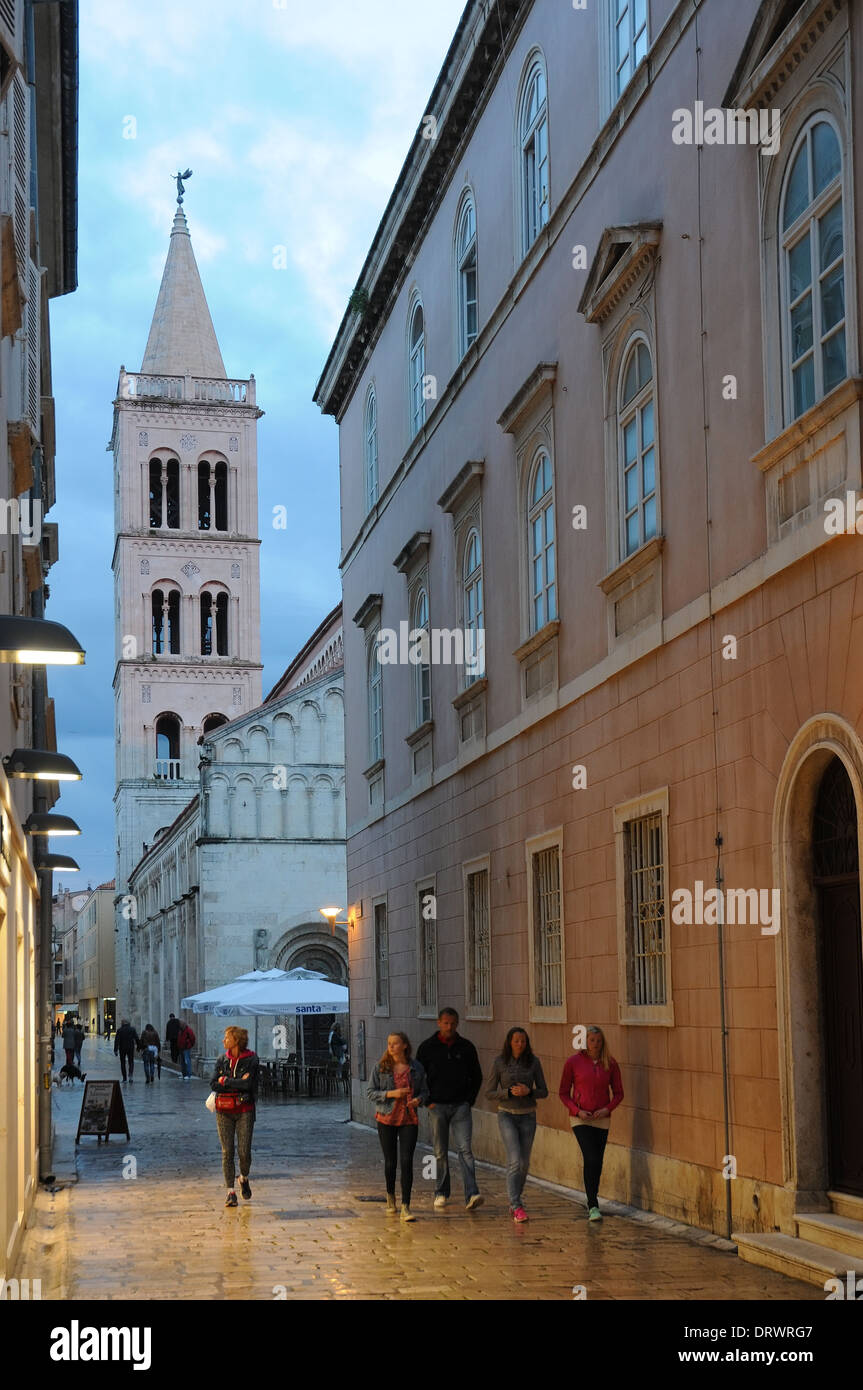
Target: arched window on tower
x,y
214,624
166,622
222,625
167,747
205,520
155,494
213,721
172,495
164,494
212,496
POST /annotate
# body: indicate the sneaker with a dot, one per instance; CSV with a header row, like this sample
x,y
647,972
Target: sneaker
x,y
440,1200
245,1189
594,1214
407,1214
519,1214
231,1199
392,1209
473,1202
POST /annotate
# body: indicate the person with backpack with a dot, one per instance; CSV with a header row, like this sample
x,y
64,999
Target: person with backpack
x,y
149,1046
172,1028
125,1042
235,1086
185,1043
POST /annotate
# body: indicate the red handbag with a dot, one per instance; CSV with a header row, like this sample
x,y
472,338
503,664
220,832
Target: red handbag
x,y
229,1102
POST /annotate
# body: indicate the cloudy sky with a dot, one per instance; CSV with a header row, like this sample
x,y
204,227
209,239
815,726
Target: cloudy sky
x,y
295,119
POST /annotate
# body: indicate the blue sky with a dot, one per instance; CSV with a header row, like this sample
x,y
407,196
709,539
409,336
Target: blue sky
x,y
295,119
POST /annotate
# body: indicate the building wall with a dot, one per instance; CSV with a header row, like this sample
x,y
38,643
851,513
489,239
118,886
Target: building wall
x,y
645,705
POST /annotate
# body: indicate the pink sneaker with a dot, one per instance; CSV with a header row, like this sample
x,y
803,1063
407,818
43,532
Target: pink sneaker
x,y
519,1214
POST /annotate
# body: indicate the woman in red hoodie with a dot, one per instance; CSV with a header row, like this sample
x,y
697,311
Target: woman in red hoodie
x,y
591,1088
235,1082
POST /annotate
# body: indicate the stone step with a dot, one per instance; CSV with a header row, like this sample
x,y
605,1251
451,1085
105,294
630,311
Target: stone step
x,y
844,1204
832,1231
799,1259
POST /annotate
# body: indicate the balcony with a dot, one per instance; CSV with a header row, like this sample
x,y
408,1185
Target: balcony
x,y
194,389
167,770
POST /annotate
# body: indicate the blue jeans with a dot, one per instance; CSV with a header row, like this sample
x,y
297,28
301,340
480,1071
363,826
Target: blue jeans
x,y
149,1063
452,1119
186,1061
517,1133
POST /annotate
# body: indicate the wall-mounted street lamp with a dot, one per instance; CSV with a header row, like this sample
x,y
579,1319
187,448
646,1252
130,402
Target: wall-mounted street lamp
x,y
41,765
38,642
47,823
331,913
58,861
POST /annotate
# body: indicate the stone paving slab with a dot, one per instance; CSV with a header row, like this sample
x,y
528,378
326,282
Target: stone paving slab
x,y
165,1233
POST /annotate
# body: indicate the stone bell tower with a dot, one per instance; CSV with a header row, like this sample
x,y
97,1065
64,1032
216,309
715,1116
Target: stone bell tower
x,y
186,571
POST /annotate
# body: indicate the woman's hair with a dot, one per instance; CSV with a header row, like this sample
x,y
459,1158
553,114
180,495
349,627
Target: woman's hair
x,y
386,1063
506,1050
149,1028
605,1056
239,1037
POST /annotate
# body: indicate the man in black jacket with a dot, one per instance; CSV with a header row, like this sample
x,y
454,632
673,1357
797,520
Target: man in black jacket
x,y
125,1042
172,1028
454,1079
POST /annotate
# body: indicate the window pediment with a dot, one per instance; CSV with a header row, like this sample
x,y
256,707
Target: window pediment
x,y
462,486
774,50
368,611
414,553
528,397
621,257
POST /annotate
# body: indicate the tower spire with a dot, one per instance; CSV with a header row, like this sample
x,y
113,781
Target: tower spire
x,y
182,339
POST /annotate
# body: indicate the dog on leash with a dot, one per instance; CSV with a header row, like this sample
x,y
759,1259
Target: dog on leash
x,y
69,1073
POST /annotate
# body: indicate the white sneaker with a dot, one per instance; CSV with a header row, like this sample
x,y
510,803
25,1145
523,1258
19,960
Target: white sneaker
x,y
440,1201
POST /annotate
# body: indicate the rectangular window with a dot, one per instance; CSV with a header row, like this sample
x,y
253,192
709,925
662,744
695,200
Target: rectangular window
x,y
382,962
642,895
545,928
477,919
427,952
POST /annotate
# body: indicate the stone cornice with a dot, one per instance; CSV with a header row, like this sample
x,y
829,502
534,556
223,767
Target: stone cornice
x,y
465,480
605,289
413,553
368,610
757,87
542,377
632,564
803,428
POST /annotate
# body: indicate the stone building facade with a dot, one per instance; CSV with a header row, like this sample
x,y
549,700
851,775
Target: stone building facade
x,y
604,404
237,881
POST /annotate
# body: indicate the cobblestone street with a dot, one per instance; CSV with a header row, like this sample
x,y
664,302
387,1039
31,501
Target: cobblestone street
x,y
308,1233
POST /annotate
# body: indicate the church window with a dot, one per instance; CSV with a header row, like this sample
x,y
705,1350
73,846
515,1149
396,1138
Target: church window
x,y
164,494
214,624
168,747
166,622
212,496
214,721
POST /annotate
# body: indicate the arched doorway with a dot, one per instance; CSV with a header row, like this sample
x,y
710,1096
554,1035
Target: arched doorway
x,y
835,861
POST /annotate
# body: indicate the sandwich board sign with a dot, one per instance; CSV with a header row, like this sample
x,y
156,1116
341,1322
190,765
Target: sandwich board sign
x,y
102,1111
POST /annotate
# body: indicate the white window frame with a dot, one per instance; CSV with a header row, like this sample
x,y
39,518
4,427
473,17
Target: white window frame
x,y
634,410
466,260
535,511
416,368
806,224
375,726
370,451
627,12
382,1008
472,1008
427,949
473,610
545,1013
422,671
625,814
534,200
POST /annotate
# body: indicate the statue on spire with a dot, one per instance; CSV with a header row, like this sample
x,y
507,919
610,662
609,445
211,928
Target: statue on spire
x,y
180,187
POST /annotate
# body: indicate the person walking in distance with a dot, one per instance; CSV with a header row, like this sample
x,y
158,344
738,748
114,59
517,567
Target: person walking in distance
x,y
69,1041
185,1043
454,1080
79,1043
172,1028
591,1088
235,1083
516,1082
125,1042
398,1086
149,1045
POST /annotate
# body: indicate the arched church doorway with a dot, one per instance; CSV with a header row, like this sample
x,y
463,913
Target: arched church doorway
x,y
835,851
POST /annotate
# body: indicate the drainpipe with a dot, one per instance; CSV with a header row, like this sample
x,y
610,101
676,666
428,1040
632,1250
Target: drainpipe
x,y
723,1024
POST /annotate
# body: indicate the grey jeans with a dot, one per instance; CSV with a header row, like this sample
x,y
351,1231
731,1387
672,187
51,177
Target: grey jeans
x,y
453,1120
241,1126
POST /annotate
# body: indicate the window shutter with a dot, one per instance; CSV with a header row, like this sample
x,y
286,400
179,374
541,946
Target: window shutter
x,y
11,39
31,354
18,114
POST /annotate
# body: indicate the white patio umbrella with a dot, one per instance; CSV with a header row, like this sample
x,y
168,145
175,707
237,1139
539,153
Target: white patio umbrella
x,y
270,993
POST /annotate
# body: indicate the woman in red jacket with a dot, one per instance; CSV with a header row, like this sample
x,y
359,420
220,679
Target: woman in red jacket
x,y
591,1088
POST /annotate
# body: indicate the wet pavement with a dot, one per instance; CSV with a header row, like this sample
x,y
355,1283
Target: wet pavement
x,y
146,1219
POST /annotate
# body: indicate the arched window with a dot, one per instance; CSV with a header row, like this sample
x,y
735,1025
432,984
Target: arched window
x,y
214,624
422,671
628,41
417,368
540,524
376,704
533,153
813,264
637,449
166,622
221,496
466,291
168,747
164,494
213,721
371,449
473,609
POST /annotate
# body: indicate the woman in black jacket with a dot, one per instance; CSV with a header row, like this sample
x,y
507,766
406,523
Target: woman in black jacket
x,y
235,1083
